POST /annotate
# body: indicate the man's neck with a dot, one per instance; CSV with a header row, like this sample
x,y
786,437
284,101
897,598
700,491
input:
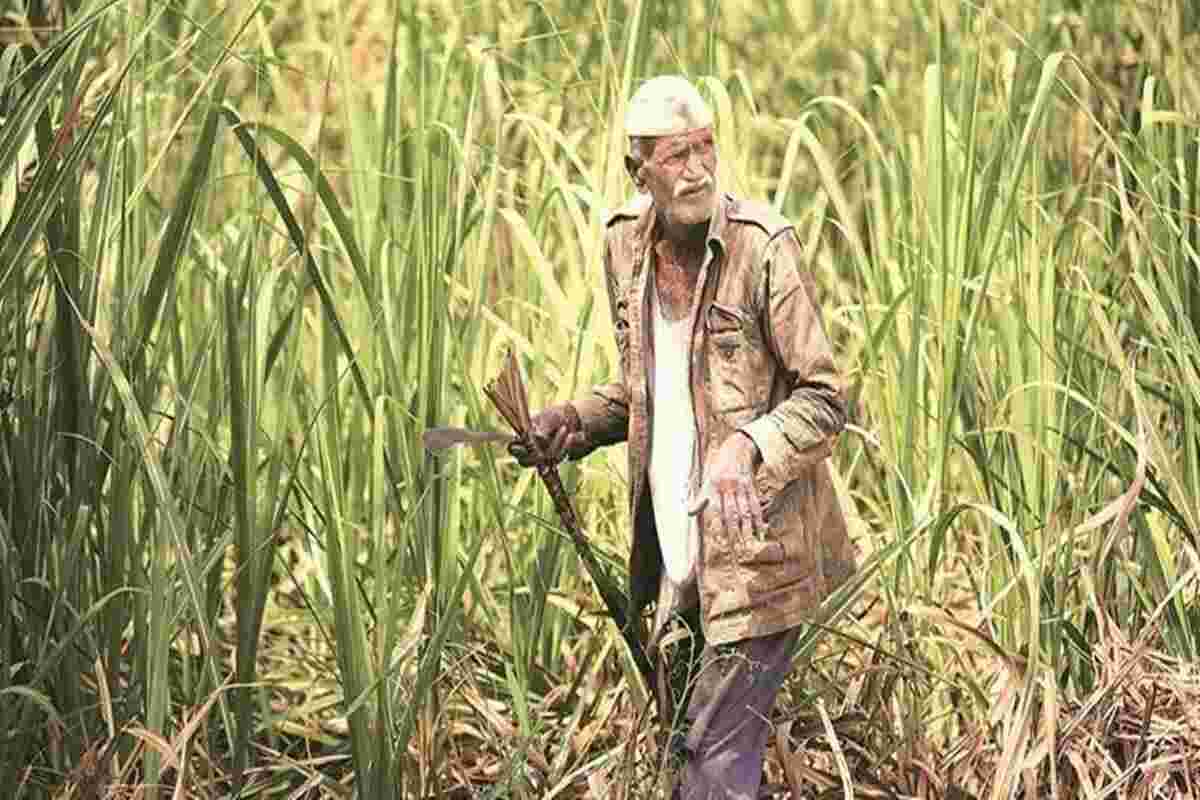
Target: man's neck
x,y
677,267
683,235
683,244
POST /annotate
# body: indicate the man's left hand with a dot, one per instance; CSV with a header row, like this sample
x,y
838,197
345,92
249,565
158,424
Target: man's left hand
x,y
729,486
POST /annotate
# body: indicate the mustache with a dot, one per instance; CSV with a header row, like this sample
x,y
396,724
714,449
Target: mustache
x,y
690,188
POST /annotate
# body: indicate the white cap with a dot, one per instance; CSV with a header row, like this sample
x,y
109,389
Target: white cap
x,y
665,105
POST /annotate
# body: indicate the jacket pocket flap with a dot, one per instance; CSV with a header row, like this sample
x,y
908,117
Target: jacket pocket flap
x,y
723,319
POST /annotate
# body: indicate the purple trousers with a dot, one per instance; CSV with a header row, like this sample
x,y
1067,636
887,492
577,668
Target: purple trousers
x,y
719,700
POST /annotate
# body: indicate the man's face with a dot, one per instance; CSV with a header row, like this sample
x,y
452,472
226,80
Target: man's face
x,y
680,174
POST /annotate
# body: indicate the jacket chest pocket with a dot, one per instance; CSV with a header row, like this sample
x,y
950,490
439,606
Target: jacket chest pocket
x,y
738,373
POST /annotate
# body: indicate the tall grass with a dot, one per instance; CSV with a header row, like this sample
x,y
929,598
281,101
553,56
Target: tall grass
x,y
249,255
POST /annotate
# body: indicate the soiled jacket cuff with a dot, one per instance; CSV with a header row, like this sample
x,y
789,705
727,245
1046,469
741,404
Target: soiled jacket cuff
x,y
780,458
603,418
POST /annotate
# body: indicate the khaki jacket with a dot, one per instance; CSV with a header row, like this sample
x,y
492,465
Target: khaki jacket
x,y
761,364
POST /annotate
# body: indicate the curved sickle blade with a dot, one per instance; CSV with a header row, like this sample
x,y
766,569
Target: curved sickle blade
x,y
436,439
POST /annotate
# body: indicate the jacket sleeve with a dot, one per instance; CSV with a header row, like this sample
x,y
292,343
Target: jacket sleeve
x,y
801,429
604,409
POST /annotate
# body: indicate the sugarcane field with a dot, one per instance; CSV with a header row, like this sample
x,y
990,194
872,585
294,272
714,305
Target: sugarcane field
x,y
607,399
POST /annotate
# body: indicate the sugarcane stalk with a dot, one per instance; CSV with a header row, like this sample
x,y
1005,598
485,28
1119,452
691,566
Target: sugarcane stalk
x,y
507,393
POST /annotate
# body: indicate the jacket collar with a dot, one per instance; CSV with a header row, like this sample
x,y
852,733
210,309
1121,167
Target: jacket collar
x,y
718,223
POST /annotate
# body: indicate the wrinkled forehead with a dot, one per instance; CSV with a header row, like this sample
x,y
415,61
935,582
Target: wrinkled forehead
x,y
698,137
666,106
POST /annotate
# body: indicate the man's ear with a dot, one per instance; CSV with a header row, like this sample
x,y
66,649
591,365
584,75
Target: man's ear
x,y
633,167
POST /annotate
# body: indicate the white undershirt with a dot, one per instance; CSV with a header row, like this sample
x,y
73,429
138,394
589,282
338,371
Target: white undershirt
x,y
673,439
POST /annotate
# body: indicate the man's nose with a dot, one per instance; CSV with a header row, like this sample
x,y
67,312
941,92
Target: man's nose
x,y
695,161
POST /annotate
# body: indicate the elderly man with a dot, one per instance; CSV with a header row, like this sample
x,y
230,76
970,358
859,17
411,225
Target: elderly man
x,y
730,402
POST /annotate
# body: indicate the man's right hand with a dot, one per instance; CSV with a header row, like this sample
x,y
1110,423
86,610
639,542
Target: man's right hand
x,y
555,432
